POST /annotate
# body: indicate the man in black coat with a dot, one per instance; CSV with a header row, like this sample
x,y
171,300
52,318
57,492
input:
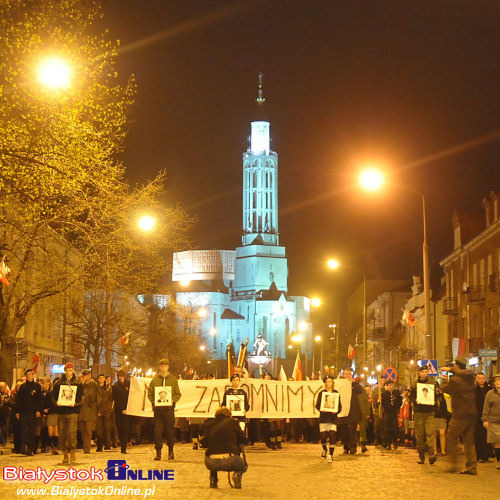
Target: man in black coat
x,y
348,426
120,397
461,388
222,438
391,403
483,449
29,405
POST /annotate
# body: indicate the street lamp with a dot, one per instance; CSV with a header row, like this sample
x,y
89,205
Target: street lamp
x,y
54,73
318,339
371,179
334,264
146,223
316,301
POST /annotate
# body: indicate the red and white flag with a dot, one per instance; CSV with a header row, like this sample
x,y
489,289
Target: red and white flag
x,y
123,340
351,352
282,374
297,369
4,270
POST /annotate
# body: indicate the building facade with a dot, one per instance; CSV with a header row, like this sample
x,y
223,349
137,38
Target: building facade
x,y
240,294
471,300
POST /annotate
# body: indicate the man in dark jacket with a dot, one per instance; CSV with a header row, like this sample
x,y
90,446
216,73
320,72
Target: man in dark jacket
x,y
104,413
464,413
67,413
222,438
29,405
391,404
164,417
348,426
120,398
423,414
88,410
483,449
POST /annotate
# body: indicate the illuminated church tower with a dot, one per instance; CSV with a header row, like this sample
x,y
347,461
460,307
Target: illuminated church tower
x,y
260,263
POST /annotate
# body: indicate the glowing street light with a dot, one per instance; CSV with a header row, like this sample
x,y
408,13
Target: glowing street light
x,y
318,338
333,263
371,179
297,338
202,347
54,73
379,368
316,301
146,223
202,312
212,331
303,326
185,282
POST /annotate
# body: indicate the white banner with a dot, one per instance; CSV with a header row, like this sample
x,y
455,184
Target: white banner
x,y
267,398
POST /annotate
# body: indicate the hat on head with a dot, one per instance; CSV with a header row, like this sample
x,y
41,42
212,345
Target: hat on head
x,y
460,362
86,371
28,370
101,375
69,365
235,375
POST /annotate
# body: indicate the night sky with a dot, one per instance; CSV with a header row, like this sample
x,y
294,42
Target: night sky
x,y
346,82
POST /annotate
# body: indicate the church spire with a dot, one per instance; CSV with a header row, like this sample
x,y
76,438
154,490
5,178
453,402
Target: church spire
x,y
260,100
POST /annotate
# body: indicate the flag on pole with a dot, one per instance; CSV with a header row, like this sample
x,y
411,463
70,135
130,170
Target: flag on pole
x,y
230,365
297,369
4,270
351,352
282,374
123,340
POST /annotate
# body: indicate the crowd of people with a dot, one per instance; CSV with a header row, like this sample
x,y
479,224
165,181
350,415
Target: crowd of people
x,y
71,412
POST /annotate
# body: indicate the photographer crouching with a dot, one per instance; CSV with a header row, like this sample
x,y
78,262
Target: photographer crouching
x,y
223,438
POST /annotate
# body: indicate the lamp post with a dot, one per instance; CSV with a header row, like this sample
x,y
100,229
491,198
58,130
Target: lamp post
x,y
372,179
335,264
318,339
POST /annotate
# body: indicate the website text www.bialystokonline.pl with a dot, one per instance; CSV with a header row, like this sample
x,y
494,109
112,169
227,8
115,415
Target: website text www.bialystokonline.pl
x,y
96,491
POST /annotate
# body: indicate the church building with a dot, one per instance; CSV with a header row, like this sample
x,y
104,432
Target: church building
x,y
234,295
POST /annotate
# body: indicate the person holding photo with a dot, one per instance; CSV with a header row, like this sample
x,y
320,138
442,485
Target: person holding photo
x,y
328,419
164,417
67,416
491,417
423,414
236,390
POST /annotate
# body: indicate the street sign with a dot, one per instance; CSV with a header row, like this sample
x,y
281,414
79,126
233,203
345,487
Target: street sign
x,y
488,353
390,373
432,364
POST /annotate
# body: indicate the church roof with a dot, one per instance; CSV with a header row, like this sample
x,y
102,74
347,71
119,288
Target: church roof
x,y
230,314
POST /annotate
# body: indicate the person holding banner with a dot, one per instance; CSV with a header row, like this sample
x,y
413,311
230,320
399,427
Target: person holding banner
x,y
164,417
349,425
328,405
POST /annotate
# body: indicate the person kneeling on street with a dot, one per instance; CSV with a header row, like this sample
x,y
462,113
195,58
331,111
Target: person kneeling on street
x,y
223,438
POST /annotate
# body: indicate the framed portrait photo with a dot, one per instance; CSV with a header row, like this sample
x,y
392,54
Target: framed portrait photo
x,y
67,395
425,394
163,396
330,401
236,403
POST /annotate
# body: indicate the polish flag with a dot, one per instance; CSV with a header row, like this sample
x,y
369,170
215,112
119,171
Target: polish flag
x,y
282,374
4,270
297,369
351,352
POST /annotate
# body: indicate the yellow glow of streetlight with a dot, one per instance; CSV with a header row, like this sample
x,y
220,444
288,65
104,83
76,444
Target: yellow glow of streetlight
x,y
202,312
371,179
333,263
303,326
54,73
185,282
318,338
202,347
290,347
297,338
316,301
146,223
332,325
379,367
212,331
